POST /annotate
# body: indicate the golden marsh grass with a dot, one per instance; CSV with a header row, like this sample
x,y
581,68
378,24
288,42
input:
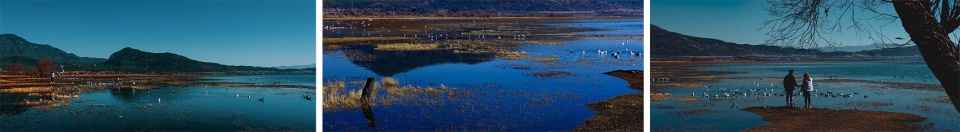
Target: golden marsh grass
x,y
362,40
407,47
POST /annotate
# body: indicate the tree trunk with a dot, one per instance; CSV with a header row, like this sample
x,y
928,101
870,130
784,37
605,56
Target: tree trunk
x,y
934,44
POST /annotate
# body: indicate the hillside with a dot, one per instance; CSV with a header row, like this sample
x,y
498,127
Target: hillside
x,y
297,66
133,60
666,43
14,48
671,45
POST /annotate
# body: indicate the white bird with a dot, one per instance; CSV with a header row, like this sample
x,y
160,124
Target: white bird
x,y
238,95
248,96
158,100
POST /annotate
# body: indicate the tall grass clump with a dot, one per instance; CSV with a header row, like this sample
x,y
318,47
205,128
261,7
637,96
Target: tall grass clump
x,y
389,82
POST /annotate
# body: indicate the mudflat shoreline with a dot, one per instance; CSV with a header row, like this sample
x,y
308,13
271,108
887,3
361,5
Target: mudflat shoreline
x,y
821,119
621,113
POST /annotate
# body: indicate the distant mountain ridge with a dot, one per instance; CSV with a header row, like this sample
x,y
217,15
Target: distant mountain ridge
x,y
297,66
13,46
667,44
15,49
130,59
849,48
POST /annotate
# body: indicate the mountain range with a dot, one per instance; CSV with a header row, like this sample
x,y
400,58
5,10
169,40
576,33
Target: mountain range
x,y
297,66
671,45
849,48
15,49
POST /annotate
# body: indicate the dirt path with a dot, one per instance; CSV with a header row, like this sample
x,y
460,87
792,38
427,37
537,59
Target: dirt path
x,y
819,119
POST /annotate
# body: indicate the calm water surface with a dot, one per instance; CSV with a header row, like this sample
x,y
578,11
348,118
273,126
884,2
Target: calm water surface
x,y
506,98
204,108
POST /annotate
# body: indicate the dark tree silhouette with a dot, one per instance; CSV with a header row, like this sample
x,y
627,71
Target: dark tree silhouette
x,y
46,67
15,68
803,23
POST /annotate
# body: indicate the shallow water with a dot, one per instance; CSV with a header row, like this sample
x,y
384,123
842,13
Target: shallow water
x,y
941,115
506,99
194,108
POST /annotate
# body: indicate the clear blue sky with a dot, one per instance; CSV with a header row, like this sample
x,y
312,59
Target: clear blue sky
x,y
249,32
738,21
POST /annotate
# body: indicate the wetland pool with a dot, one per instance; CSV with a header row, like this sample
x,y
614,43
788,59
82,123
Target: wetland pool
x,y
547,90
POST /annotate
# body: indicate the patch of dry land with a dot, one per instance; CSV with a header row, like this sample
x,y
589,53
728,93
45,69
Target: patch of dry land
x,y
819,119
621,113
633,77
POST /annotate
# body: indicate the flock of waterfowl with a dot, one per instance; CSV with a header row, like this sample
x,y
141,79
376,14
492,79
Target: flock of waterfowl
x,y
614,54
773,90
727,93
307,97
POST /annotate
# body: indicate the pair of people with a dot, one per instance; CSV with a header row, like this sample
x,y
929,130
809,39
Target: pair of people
x,y
806,88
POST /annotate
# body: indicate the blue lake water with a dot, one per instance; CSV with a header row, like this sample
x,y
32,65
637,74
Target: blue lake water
x,y
506,98
941,115
191,108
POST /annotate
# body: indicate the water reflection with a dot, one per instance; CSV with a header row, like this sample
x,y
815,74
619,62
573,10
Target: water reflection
x,y
128,95
368,113
10,104
389,63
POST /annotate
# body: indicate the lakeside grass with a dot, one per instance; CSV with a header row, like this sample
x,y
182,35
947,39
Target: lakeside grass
x,y
513,55
407,47
546,59
362,40
38,89
659,96
336,95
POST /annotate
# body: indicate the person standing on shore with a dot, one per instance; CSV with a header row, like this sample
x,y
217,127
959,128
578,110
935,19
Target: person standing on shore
x,y
806,88
788,86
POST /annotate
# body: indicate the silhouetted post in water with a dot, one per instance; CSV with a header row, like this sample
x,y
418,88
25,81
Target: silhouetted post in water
x,y
368,89
365,101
